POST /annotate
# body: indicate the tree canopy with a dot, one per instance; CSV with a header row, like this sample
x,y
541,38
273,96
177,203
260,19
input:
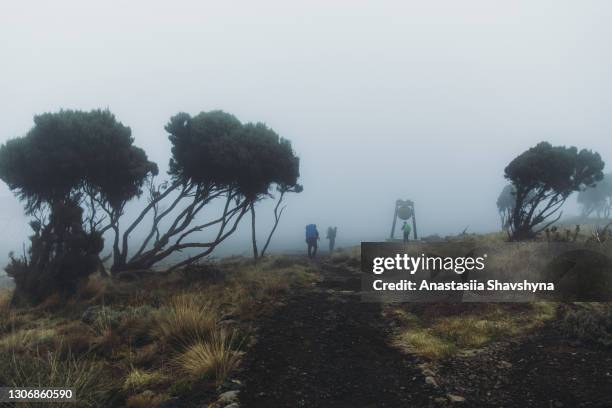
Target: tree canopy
x,y
543,177
70,151
214,148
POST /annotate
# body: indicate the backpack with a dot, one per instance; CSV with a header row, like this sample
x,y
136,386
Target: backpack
x,y
311,231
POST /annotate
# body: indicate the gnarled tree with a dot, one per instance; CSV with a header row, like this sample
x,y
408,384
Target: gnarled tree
x,y
214,159
543,177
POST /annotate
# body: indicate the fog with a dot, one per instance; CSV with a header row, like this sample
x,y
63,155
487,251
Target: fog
x,y
382,100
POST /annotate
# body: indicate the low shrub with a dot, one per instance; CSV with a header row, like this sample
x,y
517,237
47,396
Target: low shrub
x,y
591,322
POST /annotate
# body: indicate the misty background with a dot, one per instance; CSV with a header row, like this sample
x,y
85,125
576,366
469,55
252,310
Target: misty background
x,y
382,100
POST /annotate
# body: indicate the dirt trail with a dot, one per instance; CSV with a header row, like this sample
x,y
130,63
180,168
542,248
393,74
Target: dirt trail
x,y
325,348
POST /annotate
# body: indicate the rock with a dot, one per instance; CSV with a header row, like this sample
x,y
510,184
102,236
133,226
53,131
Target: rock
x,y
228,397
429,372
429,380
148,394
504,364
455,399
228,322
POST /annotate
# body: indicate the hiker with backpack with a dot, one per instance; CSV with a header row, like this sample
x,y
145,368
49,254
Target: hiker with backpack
x,y
331,235
406,229
312,236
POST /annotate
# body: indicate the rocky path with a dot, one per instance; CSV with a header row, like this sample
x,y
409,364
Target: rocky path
x,y
325,348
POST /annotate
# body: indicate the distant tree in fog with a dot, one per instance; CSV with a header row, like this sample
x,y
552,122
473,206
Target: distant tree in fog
x,y
543,177
65,169
597,199
505,204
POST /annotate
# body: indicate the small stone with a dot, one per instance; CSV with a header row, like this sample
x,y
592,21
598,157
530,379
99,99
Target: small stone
x,y
228,396
429,380
455,398
504,364
228,322
429,372
148,394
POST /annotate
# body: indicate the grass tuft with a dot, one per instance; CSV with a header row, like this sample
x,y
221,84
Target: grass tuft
x,y
89,379
214,358
185,320
139,380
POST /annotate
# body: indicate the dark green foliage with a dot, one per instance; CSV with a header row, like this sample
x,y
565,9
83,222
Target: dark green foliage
x,y
70,151
61,257
597,199
202,147
214,148
68,160
543,177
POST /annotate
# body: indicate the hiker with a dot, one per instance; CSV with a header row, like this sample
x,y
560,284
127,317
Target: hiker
x,y
331,235
312,236
406,229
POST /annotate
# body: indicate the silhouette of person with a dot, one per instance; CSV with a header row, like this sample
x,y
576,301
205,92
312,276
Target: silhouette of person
x,y
331,235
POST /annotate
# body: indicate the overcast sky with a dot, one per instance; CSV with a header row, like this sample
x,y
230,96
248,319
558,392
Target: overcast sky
x,y
427,100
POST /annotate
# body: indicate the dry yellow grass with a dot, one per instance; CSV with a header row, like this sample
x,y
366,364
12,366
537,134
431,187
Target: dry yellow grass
x,y
186,319
89,379
138,380
5,301
214,358
145,329
7,314
442,335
